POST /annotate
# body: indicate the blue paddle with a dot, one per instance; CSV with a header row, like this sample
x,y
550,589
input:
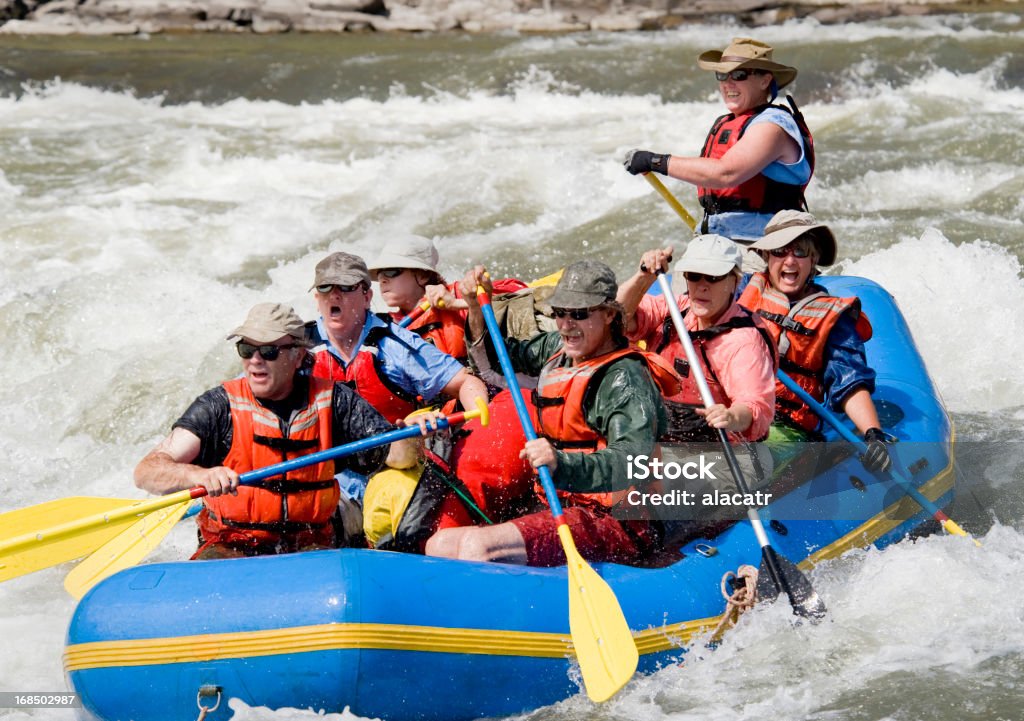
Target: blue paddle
x,y
894,474
601,637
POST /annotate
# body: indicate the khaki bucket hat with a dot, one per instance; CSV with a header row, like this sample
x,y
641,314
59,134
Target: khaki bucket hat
x,y
268,322
750,54
407,251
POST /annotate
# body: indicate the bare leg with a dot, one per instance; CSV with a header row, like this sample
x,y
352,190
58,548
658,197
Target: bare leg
x,y
502,543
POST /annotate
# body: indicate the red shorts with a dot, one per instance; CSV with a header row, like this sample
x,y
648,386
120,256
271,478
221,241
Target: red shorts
x,y
597,534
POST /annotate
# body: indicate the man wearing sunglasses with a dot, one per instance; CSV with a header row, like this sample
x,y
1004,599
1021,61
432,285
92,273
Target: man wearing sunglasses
x,y
271,413
395,370
757,159
598,403
820,337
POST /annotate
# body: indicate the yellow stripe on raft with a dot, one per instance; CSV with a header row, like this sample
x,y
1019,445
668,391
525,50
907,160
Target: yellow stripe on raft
x,y
436,639
876,527
345,636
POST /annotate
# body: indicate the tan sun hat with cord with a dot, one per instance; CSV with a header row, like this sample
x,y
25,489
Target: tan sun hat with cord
x,y
788,225
748,54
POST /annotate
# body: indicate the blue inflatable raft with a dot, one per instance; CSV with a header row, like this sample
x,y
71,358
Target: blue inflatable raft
x,y
402,637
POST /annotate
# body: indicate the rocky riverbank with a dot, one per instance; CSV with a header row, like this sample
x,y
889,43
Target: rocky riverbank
x,y
131,17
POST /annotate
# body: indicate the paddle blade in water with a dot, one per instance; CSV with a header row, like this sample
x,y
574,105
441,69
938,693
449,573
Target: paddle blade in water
x,y
124,550
604,644
53,513
802,596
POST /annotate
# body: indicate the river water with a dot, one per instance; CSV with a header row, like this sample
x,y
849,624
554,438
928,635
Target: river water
x,y
152,189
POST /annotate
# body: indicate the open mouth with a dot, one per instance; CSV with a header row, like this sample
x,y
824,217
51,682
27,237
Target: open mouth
x,y
572,338
790,276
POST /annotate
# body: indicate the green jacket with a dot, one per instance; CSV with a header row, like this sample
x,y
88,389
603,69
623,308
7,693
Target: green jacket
x,y
624,406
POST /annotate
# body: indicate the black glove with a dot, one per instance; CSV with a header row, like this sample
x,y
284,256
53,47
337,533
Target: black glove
x,y
644,161
876,458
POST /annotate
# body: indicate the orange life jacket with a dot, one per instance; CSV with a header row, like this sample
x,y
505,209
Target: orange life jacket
x,y
760,193
445,329
684,423
366,377
801,332
561,401
302,500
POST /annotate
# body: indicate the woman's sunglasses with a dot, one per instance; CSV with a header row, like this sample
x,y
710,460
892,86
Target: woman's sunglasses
x,y
329,287
391,273
702,278
267,352
738,75
798,251
574,313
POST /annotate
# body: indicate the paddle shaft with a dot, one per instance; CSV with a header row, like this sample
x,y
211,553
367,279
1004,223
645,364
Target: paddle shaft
x,y
674,203
664,192
601,636
547,482
768,553
895,474
70,528
415,313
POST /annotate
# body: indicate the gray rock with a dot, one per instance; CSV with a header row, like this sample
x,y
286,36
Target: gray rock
x,y
25,17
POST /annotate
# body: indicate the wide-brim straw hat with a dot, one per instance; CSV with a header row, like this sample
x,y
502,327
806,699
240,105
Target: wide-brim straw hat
x,y
749,54
788,225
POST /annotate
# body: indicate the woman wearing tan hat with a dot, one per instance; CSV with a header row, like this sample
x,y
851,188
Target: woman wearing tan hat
x,y
757,159
820,337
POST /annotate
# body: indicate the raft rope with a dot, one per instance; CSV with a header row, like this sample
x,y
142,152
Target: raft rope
x,y
741,600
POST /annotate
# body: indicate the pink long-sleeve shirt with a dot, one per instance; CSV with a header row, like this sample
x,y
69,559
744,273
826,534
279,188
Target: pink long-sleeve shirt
x,y
742,362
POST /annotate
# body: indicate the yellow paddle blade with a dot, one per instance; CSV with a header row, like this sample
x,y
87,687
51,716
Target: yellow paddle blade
x,y
124,550
546,280
604,644
52,550
71,538
43,515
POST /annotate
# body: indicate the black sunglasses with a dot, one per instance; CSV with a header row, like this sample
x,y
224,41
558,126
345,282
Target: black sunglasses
x,y
328,287
798,251
267,352
738,75
702,277
391,273
574,313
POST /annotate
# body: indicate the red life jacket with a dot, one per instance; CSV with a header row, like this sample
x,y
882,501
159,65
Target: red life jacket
x,y
486,458
801,332
561,400
366,377
760,193
301,501
684,424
